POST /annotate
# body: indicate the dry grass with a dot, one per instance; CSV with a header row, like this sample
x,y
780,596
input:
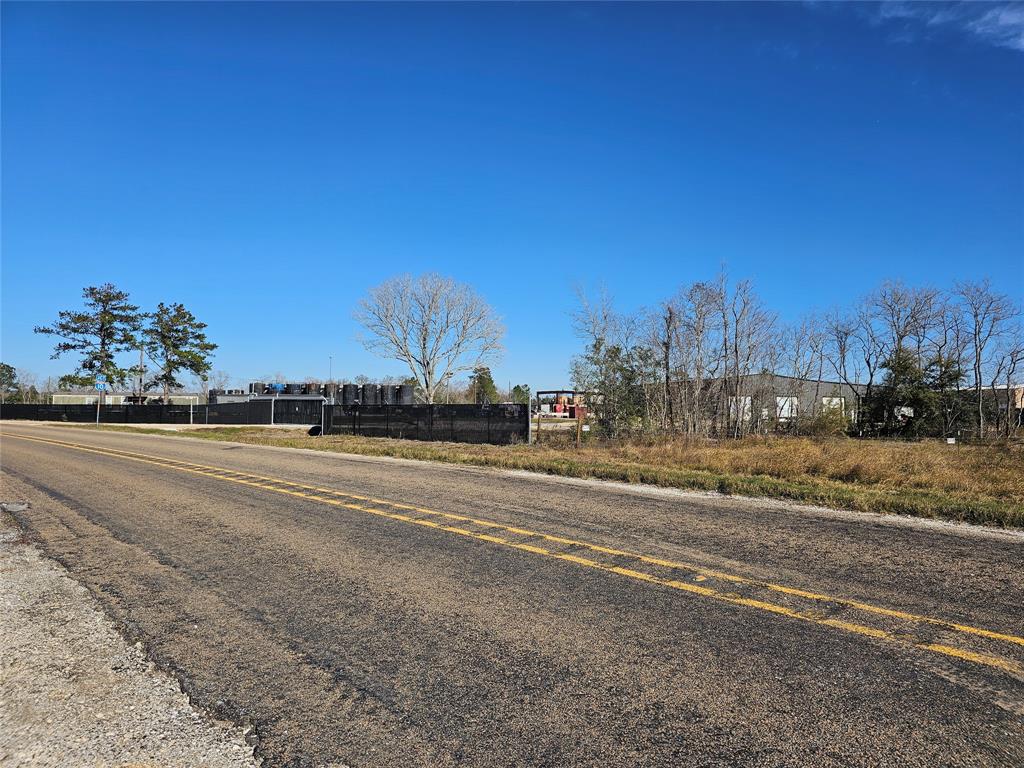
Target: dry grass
x,y
972,483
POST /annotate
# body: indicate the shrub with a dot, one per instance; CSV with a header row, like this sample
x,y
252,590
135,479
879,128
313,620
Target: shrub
x,y
830,422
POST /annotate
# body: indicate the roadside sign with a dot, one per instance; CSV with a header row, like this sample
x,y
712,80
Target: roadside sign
x,y
101,377
100,386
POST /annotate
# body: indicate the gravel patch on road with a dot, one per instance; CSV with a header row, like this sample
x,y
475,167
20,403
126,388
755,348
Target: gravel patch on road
x,y
74,693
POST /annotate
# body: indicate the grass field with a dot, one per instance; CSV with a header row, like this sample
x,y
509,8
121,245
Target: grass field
x,y
970,483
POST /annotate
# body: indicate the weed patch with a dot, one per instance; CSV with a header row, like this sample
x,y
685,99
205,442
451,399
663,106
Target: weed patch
x,y
969,483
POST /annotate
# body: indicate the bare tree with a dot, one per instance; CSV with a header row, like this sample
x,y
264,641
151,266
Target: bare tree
x,y
700,331
839,331
926,320
1008,360
27,389
904,312
988,317
218,379
804,346
1014,400
945,349
747,330
670,320
871,347
436,326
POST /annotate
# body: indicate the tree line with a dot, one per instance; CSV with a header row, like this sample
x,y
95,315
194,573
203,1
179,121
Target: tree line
x,y
441,329
948,356
109,331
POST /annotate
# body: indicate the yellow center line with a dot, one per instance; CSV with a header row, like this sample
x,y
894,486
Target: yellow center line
x,y
671,564
328,496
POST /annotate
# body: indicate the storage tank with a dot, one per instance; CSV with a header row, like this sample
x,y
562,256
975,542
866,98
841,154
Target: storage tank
x,y
349,394
294,389
311,388
405,394
371,394
387,394
330,391
257,387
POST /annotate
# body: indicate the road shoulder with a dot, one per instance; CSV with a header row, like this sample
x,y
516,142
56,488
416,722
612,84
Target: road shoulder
x,y
73,692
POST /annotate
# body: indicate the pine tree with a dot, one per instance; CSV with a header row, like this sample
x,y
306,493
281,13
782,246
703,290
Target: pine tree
x,y
175,341
106,326
482,388
521,394
8,381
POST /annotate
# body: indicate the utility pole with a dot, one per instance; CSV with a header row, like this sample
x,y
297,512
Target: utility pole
x,y
142,370
667,417
330,369
538,419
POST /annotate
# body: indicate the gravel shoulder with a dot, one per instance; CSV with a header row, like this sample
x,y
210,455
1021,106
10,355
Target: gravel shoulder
x,y
73,692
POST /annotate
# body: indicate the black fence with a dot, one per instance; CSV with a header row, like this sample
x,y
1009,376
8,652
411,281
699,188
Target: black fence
x,y
253,412
498,424
289,411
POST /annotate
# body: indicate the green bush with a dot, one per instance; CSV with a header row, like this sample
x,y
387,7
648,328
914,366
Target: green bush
x,y
829,422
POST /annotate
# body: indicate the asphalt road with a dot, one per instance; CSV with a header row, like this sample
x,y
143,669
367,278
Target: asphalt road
x,y
378,612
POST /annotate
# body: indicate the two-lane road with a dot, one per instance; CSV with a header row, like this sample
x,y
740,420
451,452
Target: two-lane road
x,y
368,611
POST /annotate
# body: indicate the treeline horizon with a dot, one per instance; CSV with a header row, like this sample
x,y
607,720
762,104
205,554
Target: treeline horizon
x,y
678,365
107,329
669,366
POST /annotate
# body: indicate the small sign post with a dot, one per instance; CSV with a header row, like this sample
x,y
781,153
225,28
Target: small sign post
x,y
101,384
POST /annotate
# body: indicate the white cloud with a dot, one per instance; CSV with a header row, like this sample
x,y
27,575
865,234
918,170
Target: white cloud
x,y
1000,23
1003,25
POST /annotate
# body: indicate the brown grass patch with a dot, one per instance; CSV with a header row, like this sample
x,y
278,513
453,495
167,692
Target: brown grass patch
x,y
973,483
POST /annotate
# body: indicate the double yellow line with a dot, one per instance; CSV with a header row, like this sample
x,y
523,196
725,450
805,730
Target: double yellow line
x,y
439,521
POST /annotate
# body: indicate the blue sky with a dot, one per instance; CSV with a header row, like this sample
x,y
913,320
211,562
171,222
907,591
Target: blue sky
x,y
266,163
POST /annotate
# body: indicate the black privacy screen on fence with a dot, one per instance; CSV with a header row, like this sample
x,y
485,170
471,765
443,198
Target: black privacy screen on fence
x,y
288,411
497,424
254,412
